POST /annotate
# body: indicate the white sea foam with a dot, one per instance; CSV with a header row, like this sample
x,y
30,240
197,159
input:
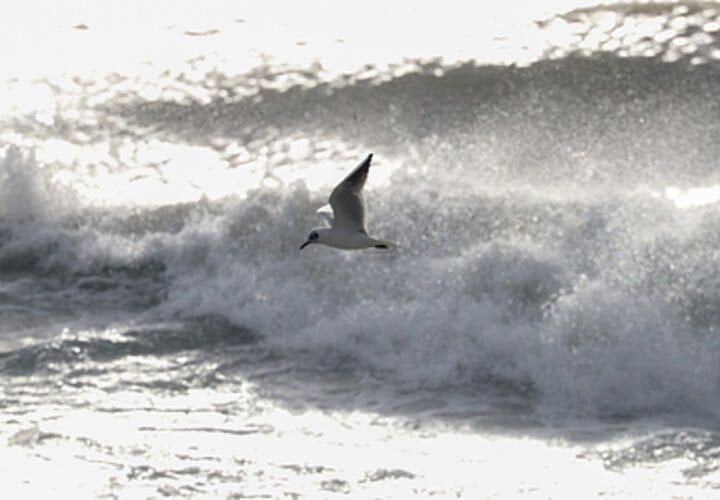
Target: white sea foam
x,y
603,327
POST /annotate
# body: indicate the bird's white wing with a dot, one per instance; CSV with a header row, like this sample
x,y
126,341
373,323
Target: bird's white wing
x,y
326,213
347,200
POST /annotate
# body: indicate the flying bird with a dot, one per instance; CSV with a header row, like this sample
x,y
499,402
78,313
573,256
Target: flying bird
x,y
347,230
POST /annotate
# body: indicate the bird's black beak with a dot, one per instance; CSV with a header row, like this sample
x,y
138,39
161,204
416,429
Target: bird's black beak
x,y
305,244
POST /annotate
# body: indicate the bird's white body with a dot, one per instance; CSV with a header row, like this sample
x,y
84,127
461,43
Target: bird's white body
x,y
347,230
349,241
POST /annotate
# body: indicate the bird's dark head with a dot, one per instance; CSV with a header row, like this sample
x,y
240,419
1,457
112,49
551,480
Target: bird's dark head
x,y
313,237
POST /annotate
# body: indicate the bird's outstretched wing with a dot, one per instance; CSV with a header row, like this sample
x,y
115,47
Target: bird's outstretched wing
x,y
326,213
347,200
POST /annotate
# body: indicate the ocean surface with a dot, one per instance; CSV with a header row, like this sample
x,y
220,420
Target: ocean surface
x,y
549,326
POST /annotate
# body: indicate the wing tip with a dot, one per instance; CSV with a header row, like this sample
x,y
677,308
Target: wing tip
x,y
365,164
367,160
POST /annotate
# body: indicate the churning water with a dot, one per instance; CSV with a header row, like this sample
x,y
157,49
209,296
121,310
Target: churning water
x,y
548,327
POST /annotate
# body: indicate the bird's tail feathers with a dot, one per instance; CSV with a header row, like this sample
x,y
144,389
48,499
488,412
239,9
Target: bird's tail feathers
x,y
385,244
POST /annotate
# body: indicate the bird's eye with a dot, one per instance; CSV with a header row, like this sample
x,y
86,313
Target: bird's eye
x,y
313,235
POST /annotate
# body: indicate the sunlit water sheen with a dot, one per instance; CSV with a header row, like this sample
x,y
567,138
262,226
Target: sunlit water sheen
x,y
546,329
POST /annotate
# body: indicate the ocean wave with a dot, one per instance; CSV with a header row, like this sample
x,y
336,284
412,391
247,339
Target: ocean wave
x,y
587,302
539,244
65,353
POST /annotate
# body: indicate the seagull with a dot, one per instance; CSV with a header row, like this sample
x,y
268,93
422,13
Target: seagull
x,y
347,230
